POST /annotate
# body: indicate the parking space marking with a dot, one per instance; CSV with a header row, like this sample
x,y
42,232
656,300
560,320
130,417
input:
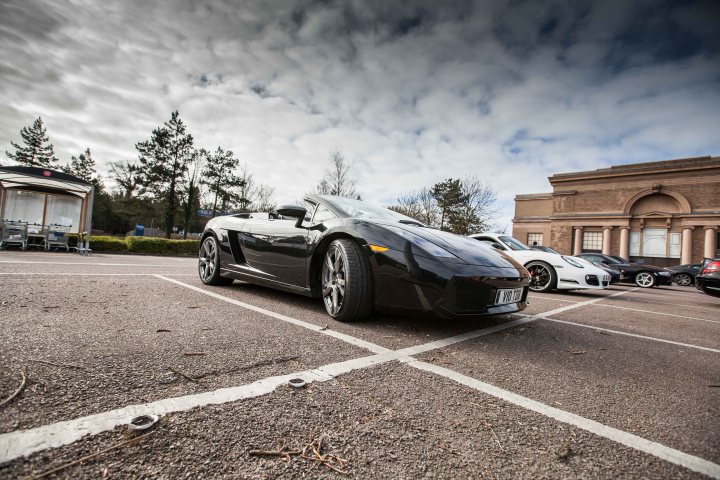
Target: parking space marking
x,y
716,309
628,334
658,313
27,262
659,450
21,443
45,274
552,299
358,342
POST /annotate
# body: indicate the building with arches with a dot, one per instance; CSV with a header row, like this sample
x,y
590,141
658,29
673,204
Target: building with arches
x,y
663,213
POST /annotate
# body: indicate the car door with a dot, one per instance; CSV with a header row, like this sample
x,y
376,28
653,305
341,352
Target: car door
x,y
277,250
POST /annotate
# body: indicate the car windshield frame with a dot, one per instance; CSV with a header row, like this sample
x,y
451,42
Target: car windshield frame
x,y
513,243
619,260
352,208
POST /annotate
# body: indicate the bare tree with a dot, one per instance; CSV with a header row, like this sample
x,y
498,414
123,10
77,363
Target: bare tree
x,y
263,199
247,189
339,179
479,211
126,175
419,205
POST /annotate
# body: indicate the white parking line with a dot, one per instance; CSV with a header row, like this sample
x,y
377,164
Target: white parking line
x,y
625,438
16,444
45,274
628,334
28,262
657,313
715,309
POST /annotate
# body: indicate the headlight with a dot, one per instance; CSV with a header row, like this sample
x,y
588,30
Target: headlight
x,y
426,245
572,262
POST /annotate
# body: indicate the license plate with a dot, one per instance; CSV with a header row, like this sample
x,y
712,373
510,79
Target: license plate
x,y
508,295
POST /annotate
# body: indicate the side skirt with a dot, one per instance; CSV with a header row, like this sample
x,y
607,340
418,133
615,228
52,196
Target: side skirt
x,y
247,277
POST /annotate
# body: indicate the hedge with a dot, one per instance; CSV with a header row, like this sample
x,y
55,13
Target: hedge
x,y
162,246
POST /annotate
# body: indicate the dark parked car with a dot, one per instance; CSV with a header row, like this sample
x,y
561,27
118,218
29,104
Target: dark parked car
x,y
708,280
356,257
645,276
684,275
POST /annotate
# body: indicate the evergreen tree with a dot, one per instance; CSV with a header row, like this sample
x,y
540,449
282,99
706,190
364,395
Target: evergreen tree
x,y
82,166
36,152
127,177
450,199
220,178
163,163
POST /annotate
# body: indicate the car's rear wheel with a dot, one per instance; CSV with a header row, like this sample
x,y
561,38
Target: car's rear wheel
x,y
542,276
347,289
683,279
209,263
644,280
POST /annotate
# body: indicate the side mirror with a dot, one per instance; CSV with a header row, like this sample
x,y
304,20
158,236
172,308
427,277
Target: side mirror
x,y
293,211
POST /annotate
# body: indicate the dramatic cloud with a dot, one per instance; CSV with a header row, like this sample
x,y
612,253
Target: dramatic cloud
x,y
413,92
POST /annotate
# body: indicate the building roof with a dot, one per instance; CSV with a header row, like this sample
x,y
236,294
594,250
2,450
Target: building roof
x,y
43,178
683,164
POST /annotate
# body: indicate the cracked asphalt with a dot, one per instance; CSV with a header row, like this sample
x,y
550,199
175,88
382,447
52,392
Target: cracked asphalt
x,y
96,334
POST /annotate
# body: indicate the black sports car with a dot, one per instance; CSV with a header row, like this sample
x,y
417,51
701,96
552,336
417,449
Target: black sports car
x,y
708,280
684,275
645,276
358,257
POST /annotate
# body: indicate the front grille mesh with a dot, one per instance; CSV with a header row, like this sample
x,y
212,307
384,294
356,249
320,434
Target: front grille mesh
x,y
467,295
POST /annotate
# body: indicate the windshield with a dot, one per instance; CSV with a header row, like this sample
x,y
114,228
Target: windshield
x,y
619,259
360,209
514,244
612,260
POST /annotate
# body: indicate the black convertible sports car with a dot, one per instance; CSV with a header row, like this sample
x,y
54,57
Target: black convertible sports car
x,y
642,275
708,280
358,257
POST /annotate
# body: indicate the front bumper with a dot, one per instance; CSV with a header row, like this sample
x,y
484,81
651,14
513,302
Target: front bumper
x,y
406,283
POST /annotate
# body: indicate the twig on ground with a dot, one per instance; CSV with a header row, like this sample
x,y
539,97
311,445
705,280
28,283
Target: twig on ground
x,y
16,392
193,354
494,435
88,457
188,377
448,450
61,365
312,452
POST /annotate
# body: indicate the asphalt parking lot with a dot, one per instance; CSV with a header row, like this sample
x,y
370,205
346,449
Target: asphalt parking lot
x,y
618,383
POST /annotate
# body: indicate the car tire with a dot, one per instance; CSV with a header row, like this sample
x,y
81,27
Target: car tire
x,y
346,281
644,280
544,273
209,263
683,279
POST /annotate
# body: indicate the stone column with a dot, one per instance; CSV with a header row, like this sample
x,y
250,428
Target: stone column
x,y
686,256
625,242
607,232
577,248
710,241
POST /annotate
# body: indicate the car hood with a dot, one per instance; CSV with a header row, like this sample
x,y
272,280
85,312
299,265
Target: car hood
x,y
466,249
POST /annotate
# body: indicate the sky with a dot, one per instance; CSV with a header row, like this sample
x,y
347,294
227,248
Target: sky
x,y
411,92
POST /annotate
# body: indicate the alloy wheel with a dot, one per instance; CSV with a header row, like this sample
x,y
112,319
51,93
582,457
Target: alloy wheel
x,y
644,279
333,280
539,277
683,279
207,260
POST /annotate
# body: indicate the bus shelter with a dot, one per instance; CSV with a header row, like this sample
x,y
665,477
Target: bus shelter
x,y
42,208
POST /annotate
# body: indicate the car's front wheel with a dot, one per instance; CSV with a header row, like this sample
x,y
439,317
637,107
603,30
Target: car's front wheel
x,y
347,288
542,276
209,263
683,279
644,280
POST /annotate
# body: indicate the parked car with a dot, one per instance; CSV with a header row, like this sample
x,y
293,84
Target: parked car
x,y
642,275
684,275
356,257
613,272
708,279
548,271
